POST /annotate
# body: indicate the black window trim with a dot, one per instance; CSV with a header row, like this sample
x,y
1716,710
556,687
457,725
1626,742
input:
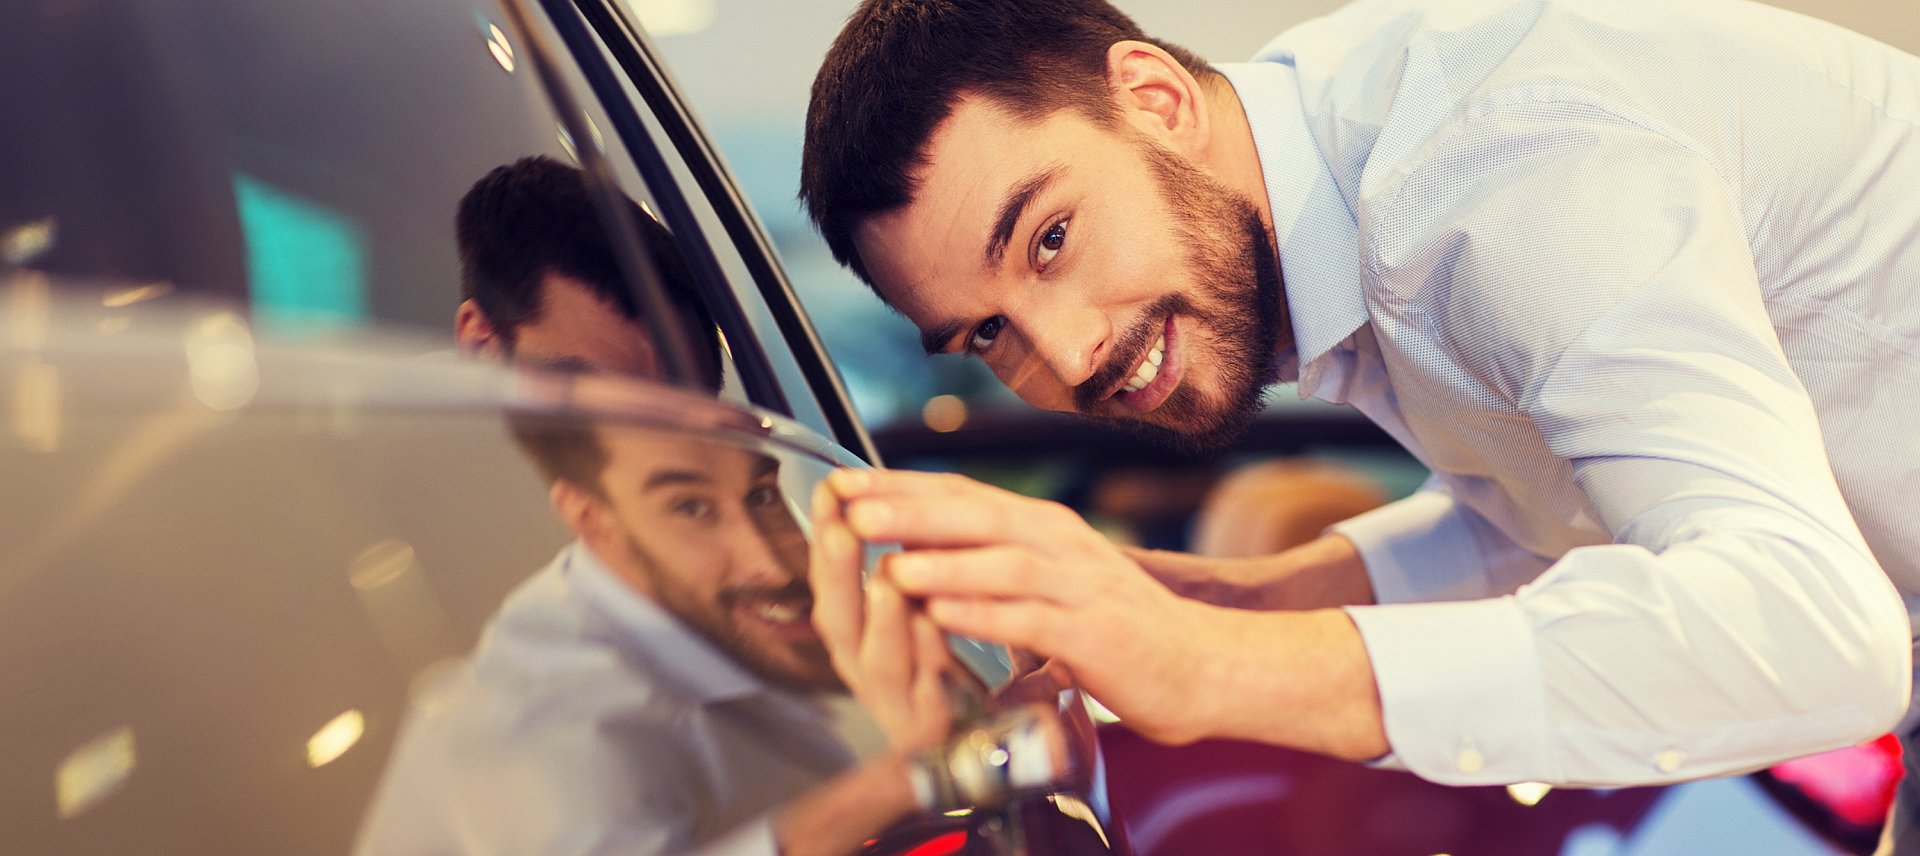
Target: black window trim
x,y
750,360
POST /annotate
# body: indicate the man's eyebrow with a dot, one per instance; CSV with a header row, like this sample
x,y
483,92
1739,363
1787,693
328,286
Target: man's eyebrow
x,y
562,365
669,478
935,340
1012,207
763,466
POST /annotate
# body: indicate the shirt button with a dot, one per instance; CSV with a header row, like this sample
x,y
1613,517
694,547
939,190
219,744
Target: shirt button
x,y
1470,761
1668,761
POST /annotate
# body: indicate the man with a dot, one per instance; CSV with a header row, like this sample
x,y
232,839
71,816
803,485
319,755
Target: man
x,y
1629,277
658,688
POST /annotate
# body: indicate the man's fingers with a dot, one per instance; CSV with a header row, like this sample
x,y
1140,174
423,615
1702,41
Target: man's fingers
x,y
1021,623
834,575
886,645
931,663
849,484
825,504
914,522
1004,571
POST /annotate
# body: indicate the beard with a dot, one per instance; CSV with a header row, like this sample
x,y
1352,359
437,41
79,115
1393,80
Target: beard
x,y
801,667
1236,296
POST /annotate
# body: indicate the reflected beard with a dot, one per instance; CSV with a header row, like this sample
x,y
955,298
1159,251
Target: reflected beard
x,y
798,666
1236,269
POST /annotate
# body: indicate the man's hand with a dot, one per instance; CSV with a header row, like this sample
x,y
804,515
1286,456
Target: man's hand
x,y
1032,574
892,657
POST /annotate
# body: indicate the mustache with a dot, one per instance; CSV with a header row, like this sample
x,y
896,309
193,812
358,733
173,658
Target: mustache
x,y
1128,351
797,590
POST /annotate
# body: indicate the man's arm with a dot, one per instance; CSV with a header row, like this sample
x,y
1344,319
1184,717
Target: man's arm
x,y
839,815
1322,573
1593,278
1423,548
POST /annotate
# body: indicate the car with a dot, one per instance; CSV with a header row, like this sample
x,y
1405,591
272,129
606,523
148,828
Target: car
x,y
259,510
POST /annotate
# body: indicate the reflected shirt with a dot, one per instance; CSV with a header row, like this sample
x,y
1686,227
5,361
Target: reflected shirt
x,y
589,720
1640,283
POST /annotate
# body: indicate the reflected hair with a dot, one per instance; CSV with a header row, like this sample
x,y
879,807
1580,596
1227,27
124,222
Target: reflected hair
x,y
898,68
563,447
533,217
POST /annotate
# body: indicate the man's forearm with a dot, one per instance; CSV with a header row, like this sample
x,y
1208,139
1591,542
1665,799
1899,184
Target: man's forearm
x,y
1323,573
838,816
1298,679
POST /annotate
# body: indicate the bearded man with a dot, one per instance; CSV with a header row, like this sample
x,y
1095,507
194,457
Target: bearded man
x,y
1634,279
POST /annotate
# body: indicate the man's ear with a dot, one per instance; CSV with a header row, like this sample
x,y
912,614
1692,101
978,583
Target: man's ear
x,y
1158,95
584,514
475,333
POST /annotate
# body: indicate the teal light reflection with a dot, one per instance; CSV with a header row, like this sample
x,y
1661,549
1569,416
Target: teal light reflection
x,y
306,264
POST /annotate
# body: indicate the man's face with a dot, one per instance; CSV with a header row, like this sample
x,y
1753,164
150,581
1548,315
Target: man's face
x,y
1094,270
577,330
703,529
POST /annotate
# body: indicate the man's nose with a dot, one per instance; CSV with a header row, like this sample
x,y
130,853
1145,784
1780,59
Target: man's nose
x,y
1070,338
770,554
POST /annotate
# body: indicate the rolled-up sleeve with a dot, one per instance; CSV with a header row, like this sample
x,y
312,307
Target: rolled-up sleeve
x,y
1598,283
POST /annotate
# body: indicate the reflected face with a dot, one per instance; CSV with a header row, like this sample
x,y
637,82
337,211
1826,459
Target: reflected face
x,y
1094,270
704,529
578,331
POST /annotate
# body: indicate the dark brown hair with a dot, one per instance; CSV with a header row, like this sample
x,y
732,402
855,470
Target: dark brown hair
x,y
899,66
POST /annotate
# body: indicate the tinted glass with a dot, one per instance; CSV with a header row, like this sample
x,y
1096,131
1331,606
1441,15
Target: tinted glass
x,y
303,162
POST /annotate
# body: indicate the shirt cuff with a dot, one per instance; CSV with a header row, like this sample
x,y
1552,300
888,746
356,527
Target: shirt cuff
x,y
1461,694
1421,548
753,838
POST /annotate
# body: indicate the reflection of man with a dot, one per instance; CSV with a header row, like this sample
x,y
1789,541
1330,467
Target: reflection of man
x,y
658,688
654,689
1633,278
540,285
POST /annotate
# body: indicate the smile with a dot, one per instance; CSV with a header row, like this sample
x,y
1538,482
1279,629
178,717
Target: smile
x,y
785,616
781,612
1157,374
1149,367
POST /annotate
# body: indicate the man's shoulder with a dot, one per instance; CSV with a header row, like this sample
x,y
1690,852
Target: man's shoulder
x,y
550,657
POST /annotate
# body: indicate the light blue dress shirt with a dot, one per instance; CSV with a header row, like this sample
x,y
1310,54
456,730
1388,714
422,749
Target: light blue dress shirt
x,y
1640,283
590,721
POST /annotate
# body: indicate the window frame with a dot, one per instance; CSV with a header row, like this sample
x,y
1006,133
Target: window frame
x,y
586,27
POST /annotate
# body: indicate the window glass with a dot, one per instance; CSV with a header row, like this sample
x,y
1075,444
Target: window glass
x,y
305,162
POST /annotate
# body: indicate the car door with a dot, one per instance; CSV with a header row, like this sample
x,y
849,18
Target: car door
x,y
259,511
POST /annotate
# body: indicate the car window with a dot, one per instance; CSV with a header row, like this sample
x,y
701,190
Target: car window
x,y
779,334
304,163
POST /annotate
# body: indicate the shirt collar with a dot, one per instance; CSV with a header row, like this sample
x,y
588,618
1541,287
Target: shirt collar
x,y
639,625
1312,223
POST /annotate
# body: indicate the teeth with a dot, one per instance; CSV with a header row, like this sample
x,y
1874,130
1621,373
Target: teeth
x,y
781,613
1149,367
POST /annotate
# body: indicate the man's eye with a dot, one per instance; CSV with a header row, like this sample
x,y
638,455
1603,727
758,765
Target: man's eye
x,y
763,496
984,334
697,508
1050,243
